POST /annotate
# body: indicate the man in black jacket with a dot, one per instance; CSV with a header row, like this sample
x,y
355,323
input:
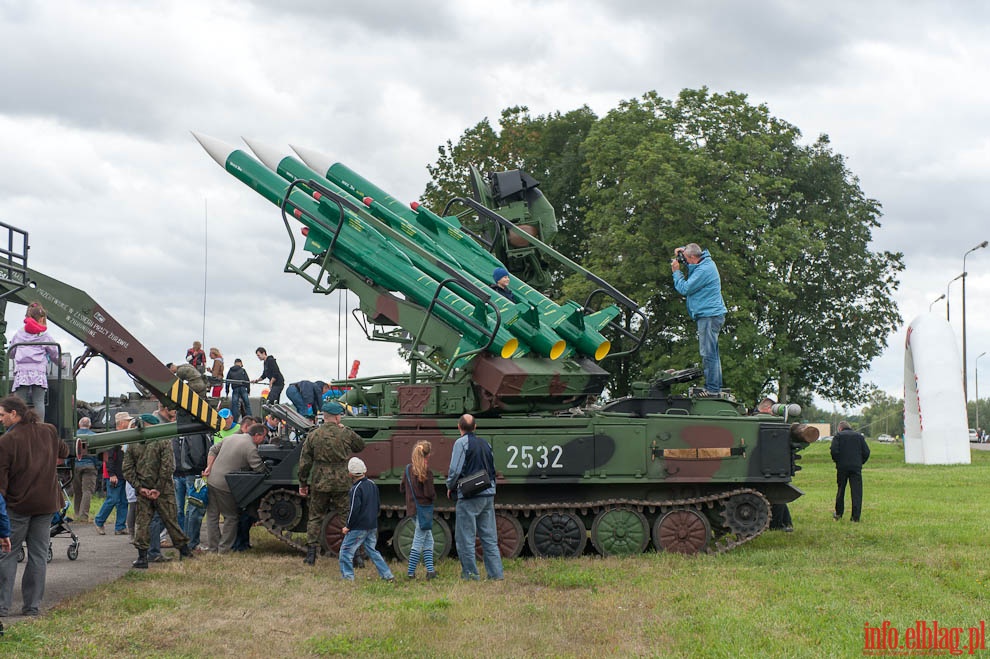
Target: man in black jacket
x,y
849,453
272,373
238,385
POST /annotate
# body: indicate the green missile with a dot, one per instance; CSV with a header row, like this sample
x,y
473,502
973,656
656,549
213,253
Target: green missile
x,y
141,435
522,318
580,331
569,320
515,317
359,243
351,181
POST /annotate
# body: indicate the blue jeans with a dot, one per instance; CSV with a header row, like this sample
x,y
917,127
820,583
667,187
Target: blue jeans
x,y
422,538
194,522
292,393
34,396
116,498
238,395
708,329
476,518
182,486
354,539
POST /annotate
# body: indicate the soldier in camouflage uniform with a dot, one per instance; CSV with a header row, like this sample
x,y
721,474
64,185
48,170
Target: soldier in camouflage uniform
x,y
148,468
323,473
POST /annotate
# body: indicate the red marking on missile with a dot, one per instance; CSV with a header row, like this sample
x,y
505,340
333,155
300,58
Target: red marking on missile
x,y
297,213
317,195
367,201
305,231
414,205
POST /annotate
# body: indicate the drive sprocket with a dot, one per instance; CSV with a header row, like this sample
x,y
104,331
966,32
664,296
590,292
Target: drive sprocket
x,y
747,514
280,511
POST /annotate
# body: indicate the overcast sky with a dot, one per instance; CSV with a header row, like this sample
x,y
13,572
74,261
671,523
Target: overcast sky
x,y
97,101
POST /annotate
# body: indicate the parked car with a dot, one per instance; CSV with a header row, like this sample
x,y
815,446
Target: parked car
x,y
885,438
972,435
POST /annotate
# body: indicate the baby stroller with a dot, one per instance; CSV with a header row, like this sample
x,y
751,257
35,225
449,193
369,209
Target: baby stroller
x,y
60,523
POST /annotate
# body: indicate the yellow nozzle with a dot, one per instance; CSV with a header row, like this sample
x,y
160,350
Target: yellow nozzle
x,y
510,348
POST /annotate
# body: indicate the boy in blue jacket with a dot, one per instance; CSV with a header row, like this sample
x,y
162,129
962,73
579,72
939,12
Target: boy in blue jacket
x,y
361,528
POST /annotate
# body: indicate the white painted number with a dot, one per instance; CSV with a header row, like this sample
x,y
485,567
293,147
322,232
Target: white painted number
x,y
523,457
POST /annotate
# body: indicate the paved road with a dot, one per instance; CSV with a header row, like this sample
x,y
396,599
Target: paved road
x,y
102,558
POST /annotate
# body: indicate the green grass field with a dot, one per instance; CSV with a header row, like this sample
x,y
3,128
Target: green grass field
x,y
920,553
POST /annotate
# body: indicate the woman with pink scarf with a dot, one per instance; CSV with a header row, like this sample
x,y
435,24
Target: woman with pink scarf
x,y
30,360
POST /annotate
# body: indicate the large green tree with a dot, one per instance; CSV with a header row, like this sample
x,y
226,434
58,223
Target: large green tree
x,y
548,147
809,301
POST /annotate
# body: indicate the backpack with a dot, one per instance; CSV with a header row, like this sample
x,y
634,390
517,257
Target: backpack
x,y
198,494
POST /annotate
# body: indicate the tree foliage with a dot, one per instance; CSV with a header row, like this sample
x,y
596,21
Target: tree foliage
x,y
787,224
981,420
883,414
548,147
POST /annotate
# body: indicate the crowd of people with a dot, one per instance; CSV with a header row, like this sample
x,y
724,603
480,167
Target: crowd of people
x,y
170,483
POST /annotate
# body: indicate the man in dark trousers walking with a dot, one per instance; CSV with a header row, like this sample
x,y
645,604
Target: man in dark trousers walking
x,y
849,453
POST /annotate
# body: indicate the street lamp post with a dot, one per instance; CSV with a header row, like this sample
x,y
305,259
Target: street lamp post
x,y
960,276
976,368
980,246
940,297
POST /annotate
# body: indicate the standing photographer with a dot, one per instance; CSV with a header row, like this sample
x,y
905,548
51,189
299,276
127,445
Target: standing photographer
x,y
702,287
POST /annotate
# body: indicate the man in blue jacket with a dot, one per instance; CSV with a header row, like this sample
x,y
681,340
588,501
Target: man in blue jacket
x,y
702,287
475,514
305,396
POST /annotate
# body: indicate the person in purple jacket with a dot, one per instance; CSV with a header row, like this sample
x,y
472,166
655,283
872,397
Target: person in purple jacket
x,y
30,360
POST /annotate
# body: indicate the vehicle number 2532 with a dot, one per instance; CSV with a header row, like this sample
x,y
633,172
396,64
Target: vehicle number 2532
x,y
542,457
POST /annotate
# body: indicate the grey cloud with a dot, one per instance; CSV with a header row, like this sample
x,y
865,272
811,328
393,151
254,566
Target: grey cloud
x,y
425,18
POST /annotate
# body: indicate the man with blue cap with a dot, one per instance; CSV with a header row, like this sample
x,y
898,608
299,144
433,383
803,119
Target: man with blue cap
x,y
230,426
501,285
323,476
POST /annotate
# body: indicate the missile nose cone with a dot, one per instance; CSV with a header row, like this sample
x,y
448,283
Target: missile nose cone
x,y
266,153
217,149
321,162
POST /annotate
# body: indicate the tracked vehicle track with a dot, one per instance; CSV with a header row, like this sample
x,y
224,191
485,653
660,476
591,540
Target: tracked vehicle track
x,y
745,513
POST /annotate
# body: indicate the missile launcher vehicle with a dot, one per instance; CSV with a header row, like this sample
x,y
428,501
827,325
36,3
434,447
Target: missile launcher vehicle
x,y
681,472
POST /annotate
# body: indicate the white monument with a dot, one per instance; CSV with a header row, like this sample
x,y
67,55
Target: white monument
x,y
936,428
